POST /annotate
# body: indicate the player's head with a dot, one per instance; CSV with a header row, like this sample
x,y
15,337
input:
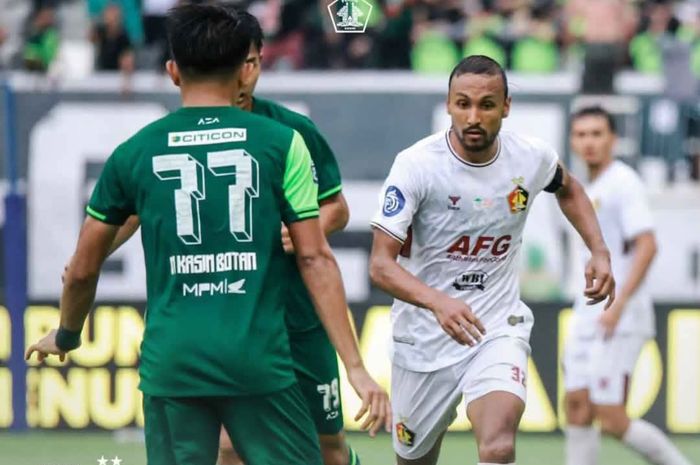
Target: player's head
x,y
252,61
593,135
208,42
477,101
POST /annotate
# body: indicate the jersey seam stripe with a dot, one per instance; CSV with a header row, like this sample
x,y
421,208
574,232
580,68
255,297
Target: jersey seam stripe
x,y
330,192
306,210
464,162
307,214
95,214
379,226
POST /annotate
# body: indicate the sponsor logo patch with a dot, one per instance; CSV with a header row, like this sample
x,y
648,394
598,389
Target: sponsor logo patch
x,y
471,280
207,137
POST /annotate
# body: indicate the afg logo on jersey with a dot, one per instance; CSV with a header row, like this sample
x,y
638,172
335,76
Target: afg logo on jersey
x,y
471,280
517,199
470,249
394,201
405,435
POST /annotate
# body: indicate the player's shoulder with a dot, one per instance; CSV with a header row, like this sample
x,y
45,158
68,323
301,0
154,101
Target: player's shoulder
x,y
520,144
623,179
283,115
425,150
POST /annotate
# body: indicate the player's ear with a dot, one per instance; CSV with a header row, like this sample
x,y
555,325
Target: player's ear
x,y
506,107
173,72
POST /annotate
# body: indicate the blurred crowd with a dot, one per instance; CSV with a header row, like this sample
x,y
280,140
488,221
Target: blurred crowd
x,y
427,36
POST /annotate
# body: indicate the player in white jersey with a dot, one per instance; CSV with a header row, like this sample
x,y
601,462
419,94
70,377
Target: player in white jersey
x,y
454,205
603,346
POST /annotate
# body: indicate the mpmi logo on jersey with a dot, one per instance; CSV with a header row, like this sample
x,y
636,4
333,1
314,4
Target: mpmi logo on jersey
x,y
206,137
220,288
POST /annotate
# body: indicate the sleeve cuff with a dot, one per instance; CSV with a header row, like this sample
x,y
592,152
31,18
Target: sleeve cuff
x,y
388,232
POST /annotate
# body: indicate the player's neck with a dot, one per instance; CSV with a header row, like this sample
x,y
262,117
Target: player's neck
x,y
594,171
480,157
207,94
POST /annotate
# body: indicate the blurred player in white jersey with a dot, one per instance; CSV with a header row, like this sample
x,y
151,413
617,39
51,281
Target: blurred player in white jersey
x,y
603,346
454,207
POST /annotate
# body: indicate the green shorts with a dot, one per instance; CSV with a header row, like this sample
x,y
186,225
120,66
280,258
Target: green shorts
x,y
316,367
268,429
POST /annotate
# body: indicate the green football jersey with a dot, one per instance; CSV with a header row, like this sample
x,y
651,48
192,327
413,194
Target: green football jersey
x,y
211,186
301,315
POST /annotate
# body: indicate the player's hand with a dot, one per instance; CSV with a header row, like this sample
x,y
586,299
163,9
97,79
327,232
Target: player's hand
x,y
287,243
458,320
375,401
599,279
45,347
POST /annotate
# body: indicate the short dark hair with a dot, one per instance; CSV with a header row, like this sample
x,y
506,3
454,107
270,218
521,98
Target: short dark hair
x,y
253,25
479,64
595,110
207,40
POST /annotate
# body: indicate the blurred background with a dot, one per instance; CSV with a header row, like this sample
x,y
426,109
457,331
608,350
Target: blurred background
x,y
77,77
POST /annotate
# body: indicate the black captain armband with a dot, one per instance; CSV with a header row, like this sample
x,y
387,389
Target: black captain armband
x,y
557,181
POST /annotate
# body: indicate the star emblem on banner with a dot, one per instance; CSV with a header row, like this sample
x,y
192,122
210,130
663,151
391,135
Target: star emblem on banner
x,y
116,460
102,460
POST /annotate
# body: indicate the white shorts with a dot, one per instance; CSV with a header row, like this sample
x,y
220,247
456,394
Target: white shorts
x,y
424,403
604,367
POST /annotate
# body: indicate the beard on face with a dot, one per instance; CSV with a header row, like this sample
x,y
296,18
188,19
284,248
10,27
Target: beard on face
x,y
485,142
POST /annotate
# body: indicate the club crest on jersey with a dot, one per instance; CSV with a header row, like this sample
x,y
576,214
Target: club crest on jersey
x,y
517,199
394,201
454,199
471,280
405,435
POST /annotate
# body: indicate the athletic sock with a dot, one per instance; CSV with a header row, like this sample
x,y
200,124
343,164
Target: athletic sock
x,y
582,445
650,442
354,458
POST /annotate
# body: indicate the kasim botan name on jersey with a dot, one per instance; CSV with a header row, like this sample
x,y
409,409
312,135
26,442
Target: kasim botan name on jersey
x,y
213,263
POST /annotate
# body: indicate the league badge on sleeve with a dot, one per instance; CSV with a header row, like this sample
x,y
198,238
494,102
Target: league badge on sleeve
x,y
394,201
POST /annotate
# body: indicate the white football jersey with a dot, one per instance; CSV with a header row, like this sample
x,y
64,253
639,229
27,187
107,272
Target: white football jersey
x,y
461,225
621,205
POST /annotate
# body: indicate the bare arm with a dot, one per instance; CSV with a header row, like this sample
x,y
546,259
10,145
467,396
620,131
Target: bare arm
x,y
79,286
577,208
455,316
644,250
321,275
125,232
333,215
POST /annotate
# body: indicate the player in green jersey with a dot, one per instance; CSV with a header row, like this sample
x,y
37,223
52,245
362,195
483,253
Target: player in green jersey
x,y
211,184
315,361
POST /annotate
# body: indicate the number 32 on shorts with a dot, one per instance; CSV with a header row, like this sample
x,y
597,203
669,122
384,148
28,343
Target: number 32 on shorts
x,y
518,375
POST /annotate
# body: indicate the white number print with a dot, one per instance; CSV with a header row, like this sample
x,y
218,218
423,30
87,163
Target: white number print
x,y
331,395
191,175
238,164
241,193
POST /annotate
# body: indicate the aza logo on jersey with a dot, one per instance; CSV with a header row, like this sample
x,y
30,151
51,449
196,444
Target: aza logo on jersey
x,y
471,280
394,201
